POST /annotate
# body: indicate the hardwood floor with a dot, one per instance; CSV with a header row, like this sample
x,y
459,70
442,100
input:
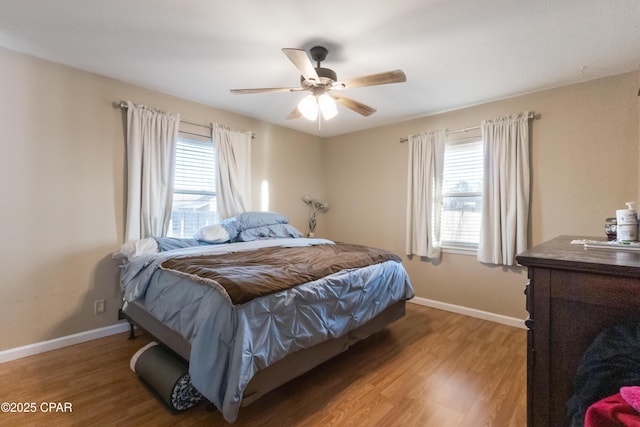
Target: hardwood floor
x,y
430,368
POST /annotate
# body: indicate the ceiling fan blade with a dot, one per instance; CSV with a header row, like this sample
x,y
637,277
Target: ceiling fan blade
x,y
302,62
266,90
295,114
354,105
395,76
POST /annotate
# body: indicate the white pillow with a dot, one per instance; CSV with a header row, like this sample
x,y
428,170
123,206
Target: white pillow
x,y
136,248
212,234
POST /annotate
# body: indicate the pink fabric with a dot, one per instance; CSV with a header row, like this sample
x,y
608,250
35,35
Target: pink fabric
x,y
631,395
613,411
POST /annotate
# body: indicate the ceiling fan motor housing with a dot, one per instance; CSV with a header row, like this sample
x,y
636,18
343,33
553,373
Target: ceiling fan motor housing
x,y
324,73
327,77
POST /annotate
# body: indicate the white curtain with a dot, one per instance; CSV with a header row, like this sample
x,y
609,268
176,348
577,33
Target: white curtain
x,y
234,171
506,189
151,148
424,189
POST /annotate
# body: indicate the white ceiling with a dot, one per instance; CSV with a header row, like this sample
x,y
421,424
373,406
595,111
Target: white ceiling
x,y
455,53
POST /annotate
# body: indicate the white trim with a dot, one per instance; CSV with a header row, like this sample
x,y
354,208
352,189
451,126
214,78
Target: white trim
x,y
56,343
485,315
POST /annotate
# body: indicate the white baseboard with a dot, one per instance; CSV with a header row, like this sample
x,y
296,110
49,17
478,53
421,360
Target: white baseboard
x,y
485,315
44,346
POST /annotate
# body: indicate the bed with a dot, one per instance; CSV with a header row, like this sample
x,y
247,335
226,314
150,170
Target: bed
x,y
246,321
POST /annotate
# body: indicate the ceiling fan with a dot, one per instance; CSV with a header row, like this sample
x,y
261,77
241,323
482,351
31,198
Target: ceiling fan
x,y
322,83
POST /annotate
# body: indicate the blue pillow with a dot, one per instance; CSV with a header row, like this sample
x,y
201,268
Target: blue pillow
x,y
273,231
257,219
236,224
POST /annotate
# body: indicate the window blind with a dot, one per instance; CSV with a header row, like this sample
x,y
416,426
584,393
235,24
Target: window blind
x,y
195,167
194,194
461,193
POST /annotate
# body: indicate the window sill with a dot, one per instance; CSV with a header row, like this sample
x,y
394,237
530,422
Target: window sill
x,y
460,250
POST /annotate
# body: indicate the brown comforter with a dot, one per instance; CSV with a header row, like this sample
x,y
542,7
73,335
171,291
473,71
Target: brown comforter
x,y
249,274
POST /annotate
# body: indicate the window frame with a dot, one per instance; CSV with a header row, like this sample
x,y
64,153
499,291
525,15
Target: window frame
x,y
182,139
449,246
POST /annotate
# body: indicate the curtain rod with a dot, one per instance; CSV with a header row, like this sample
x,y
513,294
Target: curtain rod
x,y
124,106
403,140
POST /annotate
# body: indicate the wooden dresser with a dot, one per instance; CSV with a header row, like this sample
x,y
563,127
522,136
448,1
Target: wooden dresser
x,y
573,294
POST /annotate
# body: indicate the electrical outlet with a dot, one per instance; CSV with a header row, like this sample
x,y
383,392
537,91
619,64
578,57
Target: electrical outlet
x,y
99,306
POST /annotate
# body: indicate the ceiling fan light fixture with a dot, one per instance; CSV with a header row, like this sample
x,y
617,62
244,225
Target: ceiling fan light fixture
x,y
327,106
308,107
321,82
311,105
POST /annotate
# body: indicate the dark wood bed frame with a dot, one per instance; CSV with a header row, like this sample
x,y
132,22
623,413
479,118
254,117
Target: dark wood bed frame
x,y
286,369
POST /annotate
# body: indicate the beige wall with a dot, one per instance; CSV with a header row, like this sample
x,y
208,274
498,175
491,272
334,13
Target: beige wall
x,y
62,193
585,166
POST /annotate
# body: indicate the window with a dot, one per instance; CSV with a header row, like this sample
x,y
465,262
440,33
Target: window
x,y
461,194
194,193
